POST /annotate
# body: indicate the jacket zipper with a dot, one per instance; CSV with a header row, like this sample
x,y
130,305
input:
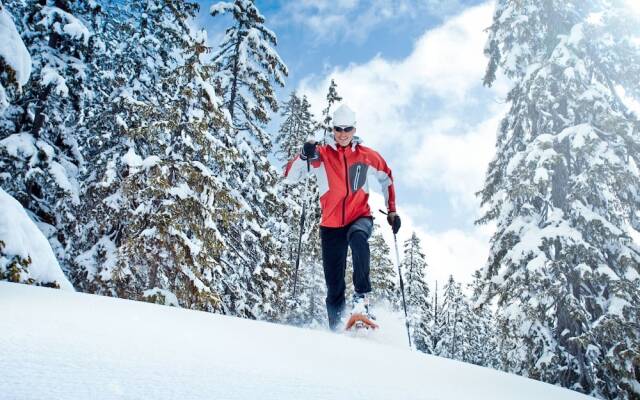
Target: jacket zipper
x,y
357,178
346,181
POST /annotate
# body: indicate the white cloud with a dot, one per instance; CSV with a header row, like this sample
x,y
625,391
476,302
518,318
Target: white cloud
x,y
633,5
394,102
454,252
453,162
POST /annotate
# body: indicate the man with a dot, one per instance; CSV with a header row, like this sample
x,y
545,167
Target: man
x,y
343,168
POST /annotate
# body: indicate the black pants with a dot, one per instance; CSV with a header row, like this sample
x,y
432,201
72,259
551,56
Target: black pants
x,y
335,243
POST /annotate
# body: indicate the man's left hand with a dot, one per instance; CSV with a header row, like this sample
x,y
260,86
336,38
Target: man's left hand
x,y
394,220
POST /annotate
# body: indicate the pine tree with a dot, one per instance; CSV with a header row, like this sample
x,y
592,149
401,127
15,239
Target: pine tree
x,y
563,190
419,310
297,126
332,97
245,67
155,203
308,307
40,154
479,343
461,330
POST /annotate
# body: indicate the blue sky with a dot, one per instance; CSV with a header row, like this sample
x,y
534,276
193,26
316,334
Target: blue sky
x,y
316,35
412,70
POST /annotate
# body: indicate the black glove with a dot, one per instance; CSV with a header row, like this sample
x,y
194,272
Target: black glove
x,y
394,220
309,151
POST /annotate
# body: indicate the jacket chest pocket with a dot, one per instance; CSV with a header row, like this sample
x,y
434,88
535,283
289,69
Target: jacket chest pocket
x,y
357,176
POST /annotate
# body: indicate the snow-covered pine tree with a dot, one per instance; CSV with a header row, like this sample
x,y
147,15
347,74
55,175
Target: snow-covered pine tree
x,y
419,310
29,261
246,65
449,331
297,126
307,308
15,61
479,339
332,97
509,349
478,336
39,152
563,191
383,272
156,198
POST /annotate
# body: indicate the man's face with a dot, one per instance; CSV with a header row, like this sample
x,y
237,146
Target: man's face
x,y
343,134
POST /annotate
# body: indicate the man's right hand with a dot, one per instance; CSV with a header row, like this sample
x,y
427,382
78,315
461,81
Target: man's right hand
x,y
309,151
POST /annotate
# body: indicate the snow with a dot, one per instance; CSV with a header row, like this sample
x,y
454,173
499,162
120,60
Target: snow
x,y
72,26
579,134
4,100
170,299
182,191
150,162
12,48
77,346
631,103
134,161
19,145
221,7
102,257
22,238
576,36
77,30
51,76
208,88
596,18
59,173
635,235
617,305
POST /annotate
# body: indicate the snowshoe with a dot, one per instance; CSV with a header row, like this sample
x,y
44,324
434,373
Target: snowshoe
x,y
360,318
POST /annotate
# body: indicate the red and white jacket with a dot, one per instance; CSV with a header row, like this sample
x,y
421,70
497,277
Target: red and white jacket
x,y
343,175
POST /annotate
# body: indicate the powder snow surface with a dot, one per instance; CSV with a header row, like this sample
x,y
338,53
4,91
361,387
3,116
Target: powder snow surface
x,y
21,237
62,345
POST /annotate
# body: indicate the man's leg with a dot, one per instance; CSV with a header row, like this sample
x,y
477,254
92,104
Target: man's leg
x,y
334,262
358,237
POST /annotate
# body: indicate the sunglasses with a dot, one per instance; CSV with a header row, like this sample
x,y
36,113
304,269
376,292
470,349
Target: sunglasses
x,y
345,129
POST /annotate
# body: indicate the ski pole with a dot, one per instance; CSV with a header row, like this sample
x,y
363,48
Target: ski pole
x,y
302,220
404,302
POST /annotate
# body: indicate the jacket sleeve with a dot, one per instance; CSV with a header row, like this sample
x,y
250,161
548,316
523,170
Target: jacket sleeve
x,y
296,169
385,177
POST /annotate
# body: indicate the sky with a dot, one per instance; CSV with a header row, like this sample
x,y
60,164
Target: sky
x,y
412,71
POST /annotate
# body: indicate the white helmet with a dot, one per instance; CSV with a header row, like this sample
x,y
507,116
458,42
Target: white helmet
x,y
344,116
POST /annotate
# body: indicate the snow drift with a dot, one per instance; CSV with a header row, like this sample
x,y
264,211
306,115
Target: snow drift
x,y
22,241
64,345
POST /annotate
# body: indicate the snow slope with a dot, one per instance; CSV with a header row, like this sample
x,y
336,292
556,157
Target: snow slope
x,y
64,345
